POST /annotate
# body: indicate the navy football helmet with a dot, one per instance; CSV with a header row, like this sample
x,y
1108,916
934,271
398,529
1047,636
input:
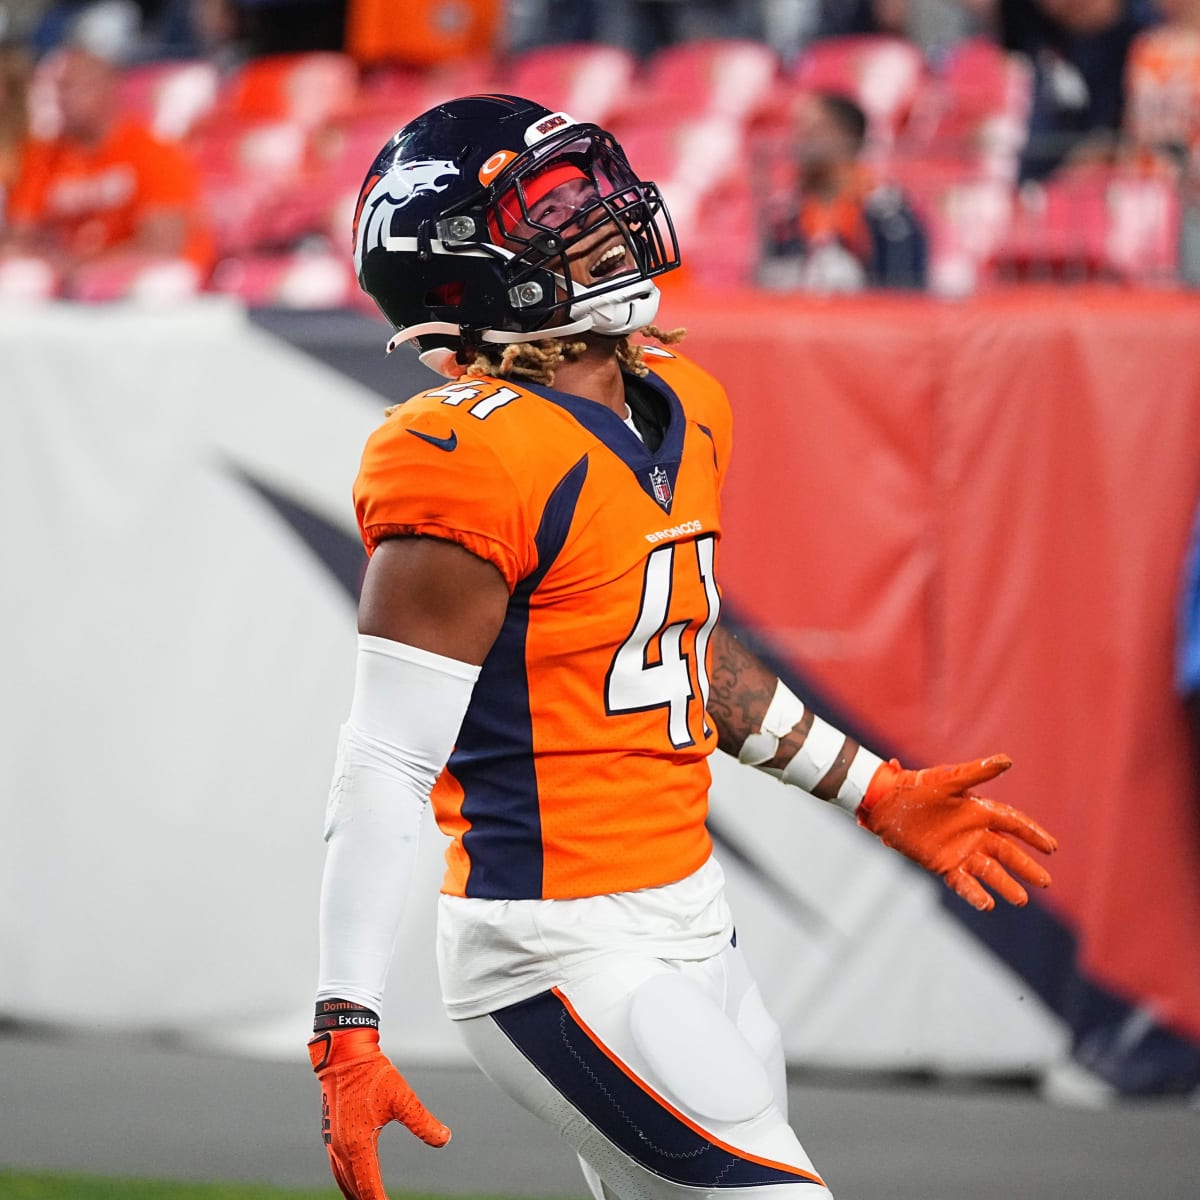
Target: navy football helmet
x,y
472,216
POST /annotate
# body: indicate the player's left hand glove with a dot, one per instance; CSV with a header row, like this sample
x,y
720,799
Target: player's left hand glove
x,y
360,1093
934,818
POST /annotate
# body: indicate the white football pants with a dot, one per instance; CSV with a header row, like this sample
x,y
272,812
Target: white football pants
x,y
666,1078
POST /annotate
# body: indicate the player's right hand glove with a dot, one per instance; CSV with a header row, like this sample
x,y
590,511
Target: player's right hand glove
x,y
934,818
360,1093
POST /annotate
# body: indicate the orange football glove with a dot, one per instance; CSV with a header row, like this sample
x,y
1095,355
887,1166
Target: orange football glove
x,y
360,1093
934,818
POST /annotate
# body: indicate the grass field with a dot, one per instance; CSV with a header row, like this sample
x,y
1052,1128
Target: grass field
x,y
39,1186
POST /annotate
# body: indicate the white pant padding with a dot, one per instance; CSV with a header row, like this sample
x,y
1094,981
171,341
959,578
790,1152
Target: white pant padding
x,y
595,1184
697,1057
732,1040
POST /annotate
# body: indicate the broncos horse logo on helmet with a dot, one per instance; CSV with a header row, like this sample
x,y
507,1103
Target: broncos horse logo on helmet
x,y
456,244
391,191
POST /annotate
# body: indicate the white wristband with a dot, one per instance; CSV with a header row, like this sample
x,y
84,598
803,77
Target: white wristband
x,y
858,778
783,714
812,762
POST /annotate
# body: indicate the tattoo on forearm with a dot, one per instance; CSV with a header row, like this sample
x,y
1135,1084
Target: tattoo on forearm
x,y
741,692
741,688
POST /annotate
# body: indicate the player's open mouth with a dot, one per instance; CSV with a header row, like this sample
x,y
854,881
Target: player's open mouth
x,y
608,263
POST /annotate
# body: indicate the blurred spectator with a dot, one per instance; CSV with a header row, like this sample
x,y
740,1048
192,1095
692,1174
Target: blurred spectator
x,y
641,26
15,70
842,17
652,25
1163,84
18,18
787,26
840,230
105,189
111,27
293,26
54,24
1162,115
646,26
1078,49
936,25
933,24
210,28
214,30
531,23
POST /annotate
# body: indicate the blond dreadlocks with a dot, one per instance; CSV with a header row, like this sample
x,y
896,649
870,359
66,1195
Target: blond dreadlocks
x,y
538,361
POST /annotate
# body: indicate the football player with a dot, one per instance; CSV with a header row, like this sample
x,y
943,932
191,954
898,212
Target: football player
x,y
540,649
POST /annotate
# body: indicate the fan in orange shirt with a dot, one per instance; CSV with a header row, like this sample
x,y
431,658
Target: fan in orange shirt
x,y
105,188
1162,113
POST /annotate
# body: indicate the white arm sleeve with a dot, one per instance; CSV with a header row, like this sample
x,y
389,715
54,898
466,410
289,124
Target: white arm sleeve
x,y
407,710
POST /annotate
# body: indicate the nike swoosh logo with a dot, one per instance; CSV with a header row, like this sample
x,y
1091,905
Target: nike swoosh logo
x,y
442,443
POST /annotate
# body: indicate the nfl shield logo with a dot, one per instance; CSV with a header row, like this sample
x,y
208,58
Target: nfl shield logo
x,y
661,485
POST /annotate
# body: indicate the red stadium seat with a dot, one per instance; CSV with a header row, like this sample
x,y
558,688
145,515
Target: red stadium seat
x,y
693,162
339,217
976,108
1144,227
345,149
317,279
246,167
324,191
1093,224
463,77
724,245
591,82
966,215
881,74
306,88
392,91
165,280
254,150
246,148
984,80
401,92
271,181
689,159
28,278
701,151
710,77
170,97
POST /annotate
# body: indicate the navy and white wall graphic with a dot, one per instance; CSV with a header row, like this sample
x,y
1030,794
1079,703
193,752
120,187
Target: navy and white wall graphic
x,y
178,648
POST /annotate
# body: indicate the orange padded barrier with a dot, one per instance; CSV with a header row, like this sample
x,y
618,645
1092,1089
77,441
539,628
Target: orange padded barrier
x,y
966,523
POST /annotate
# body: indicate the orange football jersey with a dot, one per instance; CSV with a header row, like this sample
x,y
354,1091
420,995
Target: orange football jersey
x,y
581,767
91,199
